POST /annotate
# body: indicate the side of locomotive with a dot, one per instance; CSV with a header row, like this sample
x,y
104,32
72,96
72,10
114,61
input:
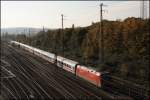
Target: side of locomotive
x,y
89,74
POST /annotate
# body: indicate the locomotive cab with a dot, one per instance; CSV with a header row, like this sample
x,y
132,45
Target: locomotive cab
x,y
104,78
89,74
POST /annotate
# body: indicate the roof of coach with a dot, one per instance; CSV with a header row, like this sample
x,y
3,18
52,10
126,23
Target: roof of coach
x,y
37,50
59,58
41,51
27,46
48,54
70,62
15,42
12,41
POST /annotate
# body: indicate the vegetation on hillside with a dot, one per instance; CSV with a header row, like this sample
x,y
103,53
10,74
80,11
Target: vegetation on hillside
x,y
126,46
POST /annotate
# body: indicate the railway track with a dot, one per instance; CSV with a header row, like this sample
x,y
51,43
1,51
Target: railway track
x,y
38,79
65,81
125,87
81,83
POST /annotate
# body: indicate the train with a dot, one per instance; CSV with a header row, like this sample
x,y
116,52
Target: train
x,y
74,67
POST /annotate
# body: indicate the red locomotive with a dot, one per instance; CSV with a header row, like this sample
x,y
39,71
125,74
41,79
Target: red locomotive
x,y
89,74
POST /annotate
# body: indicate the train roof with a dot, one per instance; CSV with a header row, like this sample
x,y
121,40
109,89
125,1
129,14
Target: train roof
x,y
14,42
70,62
48,54
59,58
35,49
67,61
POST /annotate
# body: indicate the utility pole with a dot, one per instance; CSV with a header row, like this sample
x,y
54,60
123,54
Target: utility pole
x,y
29,37
55,48
43,29
144,9
62,33
24,31
101,35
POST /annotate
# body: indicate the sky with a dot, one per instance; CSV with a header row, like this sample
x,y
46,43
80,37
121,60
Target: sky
x,y
48,13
